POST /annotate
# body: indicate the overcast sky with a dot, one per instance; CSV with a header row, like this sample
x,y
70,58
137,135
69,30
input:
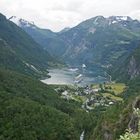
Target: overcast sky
x,y
57,14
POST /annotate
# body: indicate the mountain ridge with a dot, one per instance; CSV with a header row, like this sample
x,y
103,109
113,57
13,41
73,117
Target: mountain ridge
x,y
91,42
18,20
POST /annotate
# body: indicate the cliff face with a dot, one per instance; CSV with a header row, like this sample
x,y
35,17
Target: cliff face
x,y
133,68
133,124
125,118
107,134
127,68
133,64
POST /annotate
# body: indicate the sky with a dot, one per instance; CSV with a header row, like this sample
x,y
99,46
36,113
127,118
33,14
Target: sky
x,y
58,14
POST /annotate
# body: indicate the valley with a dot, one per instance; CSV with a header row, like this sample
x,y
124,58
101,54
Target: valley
x,y
94,95
79,83
89,92
82,86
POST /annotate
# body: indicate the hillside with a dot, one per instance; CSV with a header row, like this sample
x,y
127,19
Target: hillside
x,y
18,51
118,118
49,40
101,40
127,69
31,110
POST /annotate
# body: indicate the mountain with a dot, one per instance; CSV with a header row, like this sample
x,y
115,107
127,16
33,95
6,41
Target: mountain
x,y
101,40
18,51
64,30
96,41
45,37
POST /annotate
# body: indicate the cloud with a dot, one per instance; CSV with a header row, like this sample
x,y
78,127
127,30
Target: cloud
x,y
135,14
57,14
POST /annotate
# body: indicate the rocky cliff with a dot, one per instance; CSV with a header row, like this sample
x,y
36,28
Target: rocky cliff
x,y
133,68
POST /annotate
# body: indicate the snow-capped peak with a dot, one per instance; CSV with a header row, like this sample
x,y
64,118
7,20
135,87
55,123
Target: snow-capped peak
x,y
15,20
122,18
21,22
98,18
118,19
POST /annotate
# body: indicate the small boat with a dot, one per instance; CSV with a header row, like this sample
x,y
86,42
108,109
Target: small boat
x,y
73,69
78,81
79,76
83,66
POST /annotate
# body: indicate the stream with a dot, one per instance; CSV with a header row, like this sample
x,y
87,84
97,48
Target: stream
x,y
82,135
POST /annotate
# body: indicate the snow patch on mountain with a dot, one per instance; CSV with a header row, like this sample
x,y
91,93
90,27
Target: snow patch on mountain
x,y
21,22
92,30
119,18
15,20
114,22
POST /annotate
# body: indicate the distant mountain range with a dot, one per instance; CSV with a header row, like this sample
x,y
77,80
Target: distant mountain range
x,y
97,41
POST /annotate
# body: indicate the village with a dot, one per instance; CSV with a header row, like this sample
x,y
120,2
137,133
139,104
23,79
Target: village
x,y
92,96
